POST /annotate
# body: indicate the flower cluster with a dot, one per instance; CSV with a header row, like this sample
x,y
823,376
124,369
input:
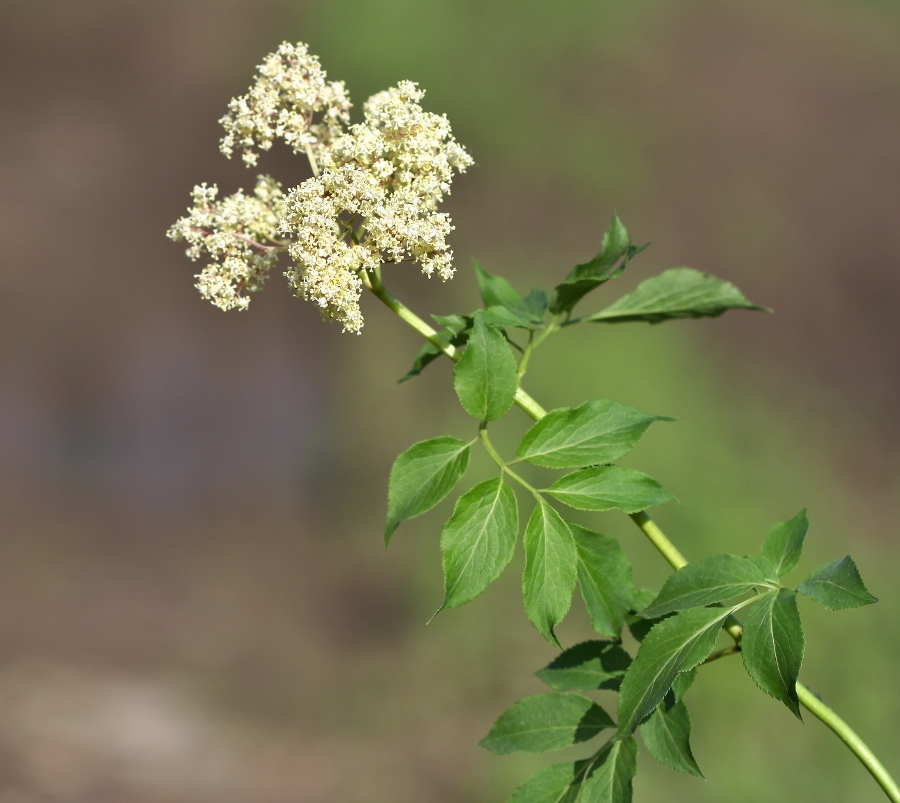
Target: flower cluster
x,y
373,197
238,233
381,184
290,90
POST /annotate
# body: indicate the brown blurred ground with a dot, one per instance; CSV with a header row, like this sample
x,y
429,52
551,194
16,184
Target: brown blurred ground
x,y
193,605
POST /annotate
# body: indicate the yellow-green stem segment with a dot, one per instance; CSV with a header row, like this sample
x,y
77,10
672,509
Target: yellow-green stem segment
x,y
373,283
848,736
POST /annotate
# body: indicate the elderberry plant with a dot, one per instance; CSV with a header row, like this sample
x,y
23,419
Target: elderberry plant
x,y
372,201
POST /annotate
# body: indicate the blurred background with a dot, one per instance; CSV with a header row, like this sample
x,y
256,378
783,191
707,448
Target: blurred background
x,y
195,603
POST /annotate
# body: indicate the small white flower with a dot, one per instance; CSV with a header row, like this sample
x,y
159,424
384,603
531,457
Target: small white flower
x,y
289,92
239,233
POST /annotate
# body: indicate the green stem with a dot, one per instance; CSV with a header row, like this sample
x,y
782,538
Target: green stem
x,y
534,342
846,734
733,650
658,538
373,283
495,455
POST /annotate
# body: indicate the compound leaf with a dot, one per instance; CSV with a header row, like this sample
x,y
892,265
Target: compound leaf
x,y
703,582
604,266
549,579
608,487
676,293
485,377
422,476
784,543
549,721
595,432
478,540
674,645
772,646
604,575
587,666
837,585
667,735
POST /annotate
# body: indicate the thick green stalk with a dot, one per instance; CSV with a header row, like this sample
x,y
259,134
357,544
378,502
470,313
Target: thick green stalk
x,y
373,283
846,734
658,538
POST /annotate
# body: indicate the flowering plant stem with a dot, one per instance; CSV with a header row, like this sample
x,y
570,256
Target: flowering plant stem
x,y
373,283
373,199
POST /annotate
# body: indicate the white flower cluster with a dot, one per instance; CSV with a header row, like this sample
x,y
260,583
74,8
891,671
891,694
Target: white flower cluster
x,y
238,233
381,184
290,90
375,199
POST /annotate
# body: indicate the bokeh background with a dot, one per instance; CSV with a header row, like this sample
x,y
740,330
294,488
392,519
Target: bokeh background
x,y
195,603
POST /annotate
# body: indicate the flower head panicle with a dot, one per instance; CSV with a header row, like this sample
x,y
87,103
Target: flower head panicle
x,y
326,269
375,201
289,92
239,233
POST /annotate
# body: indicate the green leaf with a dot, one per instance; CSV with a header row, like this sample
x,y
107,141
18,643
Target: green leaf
x,y
676,293
772,646
549,579
605,777
558,783
549,721
456,332
767,568
500,316
587,666
498,292
667,735
608,487
536,304
604,266
455,323
422,476
595,432
485,377
674,645
681,684
604,574
784,543
703,582
495,290
478,541
609,778
639,626
837,585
